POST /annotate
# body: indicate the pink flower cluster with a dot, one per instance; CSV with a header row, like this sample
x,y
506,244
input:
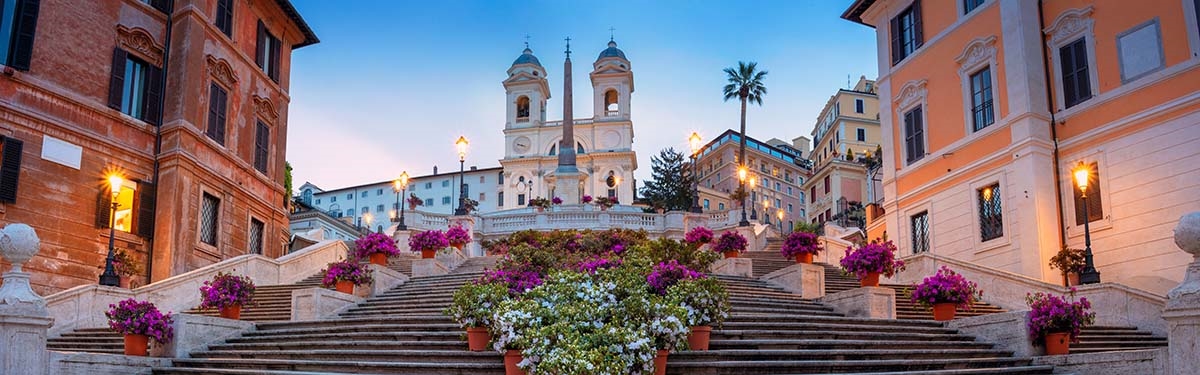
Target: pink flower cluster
x,y
456,235
556,200
946,287
587,199
698,236
875,257
731,241
800,243
591,266
375,243
1055,314
667,274
430,239
226,290
133,317
518,281
350,271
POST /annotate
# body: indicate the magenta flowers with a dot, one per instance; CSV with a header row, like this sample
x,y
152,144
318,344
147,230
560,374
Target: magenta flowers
x,y
517,281
946,287
346,271
587,199
800,243
375,243
133,317
226,290
731,241
591,266
428,240
667,274
556,200
875,257
698,236
1056,314
457,236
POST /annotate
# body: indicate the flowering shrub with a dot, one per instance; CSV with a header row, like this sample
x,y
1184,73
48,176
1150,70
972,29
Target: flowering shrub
x,y
1068,260
704,299
428,240
375,243
414,201
226,290
667,274
346,271
124,264
591,266
698,236
517,281
133,317
456,235
539,202
587,199
1053,314
607,202
473,303
731,241
556,201
800,243
875,257
946,287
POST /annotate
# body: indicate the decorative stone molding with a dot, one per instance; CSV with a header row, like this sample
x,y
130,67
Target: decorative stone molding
x,y
1069,24
912,92
141,43
1187,237
1183,304
220,70
18,244
978,51
265,109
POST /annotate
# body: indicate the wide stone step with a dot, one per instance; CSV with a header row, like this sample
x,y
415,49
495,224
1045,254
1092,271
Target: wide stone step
x,y
352,367
335,329
268,346
844,344
834,335
844,355
837,366
1015,370
348,336
365,355
358,321
801,325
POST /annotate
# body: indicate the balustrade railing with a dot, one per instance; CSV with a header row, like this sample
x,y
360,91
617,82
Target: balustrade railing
x,y
572,217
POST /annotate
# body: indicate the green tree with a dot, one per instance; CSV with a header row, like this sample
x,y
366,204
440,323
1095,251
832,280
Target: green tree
x,y
745,84
287,179
670,186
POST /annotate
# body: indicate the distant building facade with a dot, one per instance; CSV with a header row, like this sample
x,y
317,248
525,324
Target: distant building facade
x,y
845,136
778,172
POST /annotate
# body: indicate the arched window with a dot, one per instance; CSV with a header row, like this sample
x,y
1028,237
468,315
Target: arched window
x,y
307,197
523,109
554,149
578,148
611,107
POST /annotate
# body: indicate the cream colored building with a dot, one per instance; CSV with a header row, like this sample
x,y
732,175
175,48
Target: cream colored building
x,y
846,134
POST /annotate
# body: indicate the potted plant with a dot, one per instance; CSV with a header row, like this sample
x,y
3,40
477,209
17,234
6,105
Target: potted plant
x,y
457,236
1070,262
541,204
428,243
802,246
472,308
606,203
125,267
470,205
228,294
344,276
1055,321
414,201
556,201
871,260
706,303
587,199
377,247
731,244
140,321
698,236
945,292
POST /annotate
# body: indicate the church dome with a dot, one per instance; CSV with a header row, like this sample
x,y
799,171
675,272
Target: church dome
x,y
527,57
612,51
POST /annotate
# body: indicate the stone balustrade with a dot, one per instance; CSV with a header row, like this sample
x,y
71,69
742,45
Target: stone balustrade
x,y
671,224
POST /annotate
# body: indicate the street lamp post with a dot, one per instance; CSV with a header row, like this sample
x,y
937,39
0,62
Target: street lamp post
x,y
1089,274
766,210
694,142
779,215
753,194
742,172
461,144
368,218
401,188
110,277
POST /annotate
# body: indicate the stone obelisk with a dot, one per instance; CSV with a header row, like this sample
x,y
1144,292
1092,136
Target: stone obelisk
x,y
567,176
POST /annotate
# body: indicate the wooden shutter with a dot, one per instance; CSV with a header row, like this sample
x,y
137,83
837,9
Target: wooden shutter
x,y
116,81
216,113
908,136
103,208
895,28
261,137
152,112
261,42
225,17
918,133
275,47
25,29
145,200
162,5
10,169
918,33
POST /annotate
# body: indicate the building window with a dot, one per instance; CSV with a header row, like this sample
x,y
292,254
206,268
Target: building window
x,y
209,209
445,183
1140,51
318,201
379,208
482,180
266,52
350,212
991,218
1076,83
1095,210
365,209
217,100
906,32
914,135
134,87
378,191
429,185
18,22
969,5
332,198
364,194
860,134
500,177
706,204
445,200
428,202
983,114
482,197
858,106
523,108
256,236
812,193
721,206
224,17
827,185
920,232
349,196
789,207
520,199
262,137
500,199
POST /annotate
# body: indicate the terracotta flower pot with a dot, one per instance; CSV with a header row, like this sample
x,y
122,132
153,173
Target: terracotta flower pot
x,y
541,209
1058,343
603,208
943,311
805,258
125,281
428,253
137,345
232,312
458,246
345,286
731,254
477,338
871,279
380,259
660,362
511,359
698,339
1072,279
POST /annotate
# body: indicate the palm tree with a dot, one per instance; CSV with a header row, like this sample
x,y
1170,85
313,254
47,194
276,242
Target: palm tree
x,y
745,83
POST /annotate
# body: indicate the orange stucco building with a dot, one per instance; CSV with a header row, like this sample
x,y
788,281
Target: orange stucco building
x,y
988,105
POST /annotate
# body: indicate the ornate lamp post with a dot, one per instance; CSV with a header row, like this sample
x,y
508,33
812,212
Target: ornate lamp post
x,y
400,185
766,210
461,144
779,215
110,277
753,188
1089,274
368,218
742,172
694,142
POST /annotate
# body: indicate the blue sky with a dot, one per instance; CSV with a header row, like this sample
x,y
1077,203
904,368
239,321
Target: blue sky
x,y
393,83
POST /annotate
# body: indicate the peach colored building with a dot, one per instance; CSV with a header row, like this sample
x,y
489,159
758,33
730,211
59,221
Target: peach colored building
x,y
987,106
845,136
777,167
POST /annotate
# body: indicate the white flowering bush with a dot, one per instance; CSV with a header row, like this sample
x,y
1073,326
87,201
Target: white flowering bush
x,y
705,301
473,303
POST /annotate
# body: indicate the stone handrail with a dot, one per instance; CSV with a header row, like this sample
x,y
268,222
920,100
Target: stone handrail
x,y
84,306
1114,304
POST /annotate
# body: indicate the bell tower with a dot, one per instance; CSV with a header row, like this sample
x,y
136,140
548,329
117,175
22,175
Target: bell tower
x,y
612,84
526,92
